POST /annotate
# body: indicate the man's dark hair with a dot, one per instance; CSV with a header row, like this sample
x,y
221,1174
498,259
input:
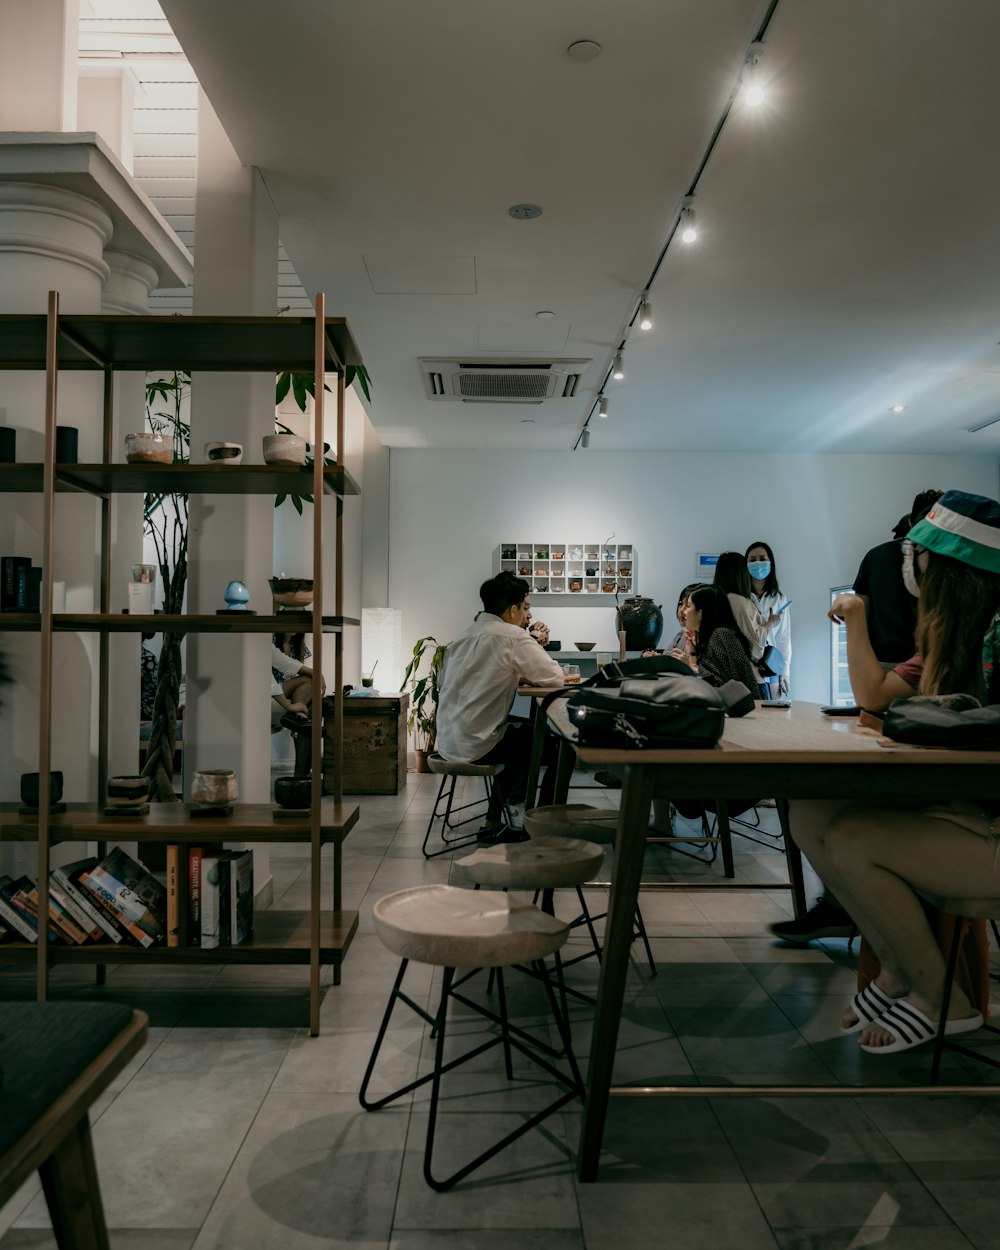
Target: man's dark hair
x,y
922,504
500,592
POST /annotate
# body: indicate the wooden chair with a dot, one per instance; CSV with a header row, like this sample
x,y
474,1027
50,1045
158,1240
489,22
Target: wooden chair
x,y
963,909
56,1059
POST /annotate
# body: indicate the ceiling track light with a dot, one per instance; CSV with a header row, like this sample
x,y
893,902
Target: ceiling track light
x,y
618,367
645,313
753,87
585,438
983,425
687,224
602,406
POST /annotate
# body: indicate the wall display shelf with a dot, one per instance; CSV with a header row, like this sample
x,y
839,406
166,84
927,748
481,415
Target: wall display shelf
x,y
585,570
106,344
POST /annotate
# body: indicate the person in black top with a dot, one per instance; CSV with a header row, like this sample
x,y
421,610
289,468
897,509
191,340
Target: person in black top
x,y
891,607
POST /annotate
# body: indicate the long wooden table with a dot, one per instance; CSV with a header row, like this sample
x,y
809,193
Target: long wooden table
x,y
793,754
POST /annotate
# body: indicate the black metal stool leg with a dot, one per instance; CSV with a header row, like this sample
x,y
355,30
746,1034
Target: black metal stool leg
x,y
949,980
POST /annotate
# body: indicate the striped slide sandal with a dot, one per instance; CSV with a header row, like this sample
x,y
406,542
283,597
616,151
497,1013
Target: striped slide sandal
x,y
911,1028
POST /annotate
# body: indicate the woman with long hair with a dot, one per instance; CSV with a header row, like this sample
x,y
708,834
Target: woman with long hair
x,y
733,578
716,649
881,861
766,596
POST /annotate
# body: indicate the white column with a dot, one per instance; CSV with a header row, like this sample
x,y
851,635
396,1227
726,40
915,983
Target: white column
x,y
105,104
228,677
38,64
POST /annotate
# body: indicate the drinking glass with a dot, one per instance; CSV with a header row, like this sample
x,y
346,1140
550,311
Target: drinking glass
x,y
571,674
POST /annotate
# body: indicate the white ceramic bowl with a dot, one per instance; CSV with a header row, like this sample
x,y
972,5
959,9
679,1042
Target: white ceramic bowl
x,y
149,448
223,453
284,449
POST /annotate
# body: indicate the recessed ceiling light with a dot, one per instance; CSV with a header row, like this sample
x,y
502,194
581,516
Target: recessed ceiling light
x,y
524,212
898,408
545,314
584,50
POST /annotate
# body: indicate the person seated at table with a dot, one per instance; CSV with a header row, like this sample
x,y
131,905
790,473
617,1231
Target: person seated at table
x,y
482,670
882,860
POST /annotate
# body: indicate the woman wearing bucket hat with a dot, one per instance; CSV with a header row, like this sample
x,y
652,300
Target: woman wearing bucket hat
x,y
880,860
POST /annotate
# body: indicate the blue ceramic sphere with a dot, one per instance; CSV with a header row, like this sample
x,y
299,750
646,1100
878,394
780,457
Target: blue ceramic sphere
x,y
237,596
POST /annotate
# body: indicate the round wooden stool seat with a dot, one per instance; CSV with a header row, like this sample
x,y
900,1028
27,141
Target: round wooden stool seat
x,y
454,768
573,820
539,864
455,928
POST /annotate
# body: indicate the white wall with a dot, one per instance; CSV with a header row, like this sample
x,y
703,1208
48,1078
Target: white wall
x,y
449,510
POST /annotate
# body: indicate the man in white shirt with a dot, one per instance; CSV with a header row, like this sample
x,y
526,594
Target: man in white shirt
x,y
482,670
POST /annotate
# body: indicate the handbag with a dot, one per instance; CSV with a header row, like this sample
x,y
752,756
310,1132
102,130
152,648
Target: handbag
x,y
931,722
771,662
669,710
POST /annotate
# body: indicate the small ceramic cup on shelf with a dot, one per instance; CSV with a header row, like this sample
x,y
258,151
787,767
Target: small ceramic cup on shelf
x,y
149,448
284,449
223,453
214,787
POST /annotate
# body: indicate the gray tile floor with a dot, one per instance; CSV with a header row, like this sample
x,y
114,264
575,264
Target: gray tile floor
x,y
235,1129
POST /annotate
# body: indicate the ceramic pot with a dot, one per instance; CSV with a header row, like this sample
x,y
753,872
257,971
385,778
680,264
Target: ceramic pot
x,y
8,445
642,621
293,791
30,788
291,592
223,453
67,444
214,787
148,448
575,584
284,449
127,791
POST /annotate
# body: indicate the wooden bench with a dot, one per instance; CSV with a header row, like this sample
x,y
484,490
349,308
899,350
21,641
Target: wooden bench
x,y
56,1059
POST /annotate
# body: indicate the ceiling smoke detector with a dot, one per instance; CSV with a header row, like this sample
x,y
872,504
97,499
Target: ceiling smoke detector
x,y
524,212
501,381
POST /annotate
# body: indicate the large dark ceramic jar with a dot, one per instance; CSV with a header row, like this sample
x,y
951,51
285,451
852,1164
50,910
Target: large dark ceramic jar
x,y
642,621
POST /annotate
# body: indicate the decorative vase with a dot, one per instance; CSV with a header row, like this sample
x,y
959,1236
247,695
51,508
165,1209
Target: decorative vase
x,y
237,596
223,453
67,444
420,757
8,445
284,449
214,787
642,621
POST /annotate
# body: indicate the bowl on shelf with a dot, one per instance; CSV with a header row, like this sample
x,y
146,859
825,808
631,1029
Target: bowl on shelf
x,y
127,791
214,787
553,646
31,788
293,792
223,453
149,448
291,592
585,646
284,449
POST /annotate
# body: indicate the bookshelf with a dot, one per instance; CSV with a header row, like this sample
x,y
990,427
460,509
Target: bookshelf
x,y
316,936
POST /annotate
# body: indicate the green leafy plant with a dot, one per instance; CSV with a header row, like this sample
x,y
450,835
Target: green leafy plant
x,y
165,520
422,719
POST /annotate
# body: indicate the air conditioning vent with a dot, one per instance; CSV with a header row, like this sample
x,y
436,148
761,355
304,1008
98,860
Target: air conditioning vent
x,y
502,381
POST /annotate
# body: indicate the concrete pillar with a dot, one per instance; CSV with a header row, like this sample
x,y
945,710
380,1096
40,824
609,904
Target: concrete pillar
x,y
106,99
38,64
228,677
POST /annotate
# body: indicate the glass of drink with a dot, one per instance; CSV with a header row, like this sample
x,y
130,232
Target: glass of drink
x,y
571,674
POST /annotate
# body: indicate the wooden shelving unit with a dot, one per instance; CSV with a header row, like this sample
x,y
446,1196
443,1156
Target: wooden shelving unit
x,y
319,345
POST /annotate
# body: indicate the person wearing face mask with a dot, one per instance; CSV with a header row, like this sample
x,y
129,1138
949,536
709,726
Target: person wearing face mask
x,y
482,670
887,583
767,598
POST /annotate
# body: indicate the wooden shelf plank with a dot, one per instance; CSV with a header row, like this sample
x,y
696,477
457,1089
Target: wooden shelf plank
x,y
173,822
161,623
280,937
177,479
214,344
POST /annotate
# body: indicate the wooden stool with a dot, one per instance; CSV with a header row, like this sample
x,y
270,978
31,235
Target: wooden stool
x,y
963,909
57,1058
454,928
449,772
580,820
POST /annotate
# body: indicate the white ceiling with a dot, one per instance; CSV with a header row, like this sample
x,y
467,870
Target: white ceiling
x,y
850,248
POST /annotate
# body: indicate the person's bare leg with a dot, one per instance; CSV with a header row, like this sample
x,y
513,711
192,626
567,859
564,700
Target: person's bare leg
x,y
876,860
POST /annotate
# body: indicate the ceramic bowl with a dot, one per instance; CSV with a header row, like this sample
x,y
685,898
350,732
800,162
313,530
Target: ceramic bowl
x,y
127,791
149,448
585,646
30,788
214,787
291,592
223,453
284,449
293,791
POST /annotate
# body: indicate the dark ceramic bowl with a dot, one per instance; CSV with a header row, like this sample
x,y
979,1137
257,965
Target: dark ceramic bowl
x,y
293,791
124,791
553,646
30,791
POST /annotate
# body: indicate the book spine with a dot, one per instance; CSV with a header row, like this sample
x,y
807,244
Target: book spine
x,y
21,590
62,923
195,856
75,912
209,902
126,900
90,909
173,894
111,902
12,918
26,902
225,912
8,580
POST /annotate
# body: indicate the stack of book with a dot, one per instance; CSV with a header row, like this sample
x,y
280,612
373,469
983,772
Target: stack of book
x,y
116,899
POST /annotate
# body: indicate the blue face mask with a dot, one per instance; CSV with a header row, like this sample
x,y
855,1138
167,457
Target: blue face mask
x,y
760,570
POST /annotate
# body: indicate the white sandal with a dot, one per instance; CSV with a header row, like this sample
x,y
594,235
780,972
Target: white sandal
x,y
869,1004
912,1028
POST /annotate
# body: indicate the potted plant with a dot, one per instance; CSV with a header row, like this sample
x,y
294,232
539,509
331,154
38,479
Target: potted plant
x,y
422,720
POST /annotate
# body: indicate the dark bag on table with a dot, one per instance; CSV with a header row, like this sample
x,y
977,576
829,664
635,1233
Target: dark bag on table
x,y
672,710
935,722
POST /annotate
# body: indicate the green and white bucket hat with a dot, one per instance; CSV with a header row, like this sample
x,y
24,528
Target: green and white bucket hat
x,y
965,527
